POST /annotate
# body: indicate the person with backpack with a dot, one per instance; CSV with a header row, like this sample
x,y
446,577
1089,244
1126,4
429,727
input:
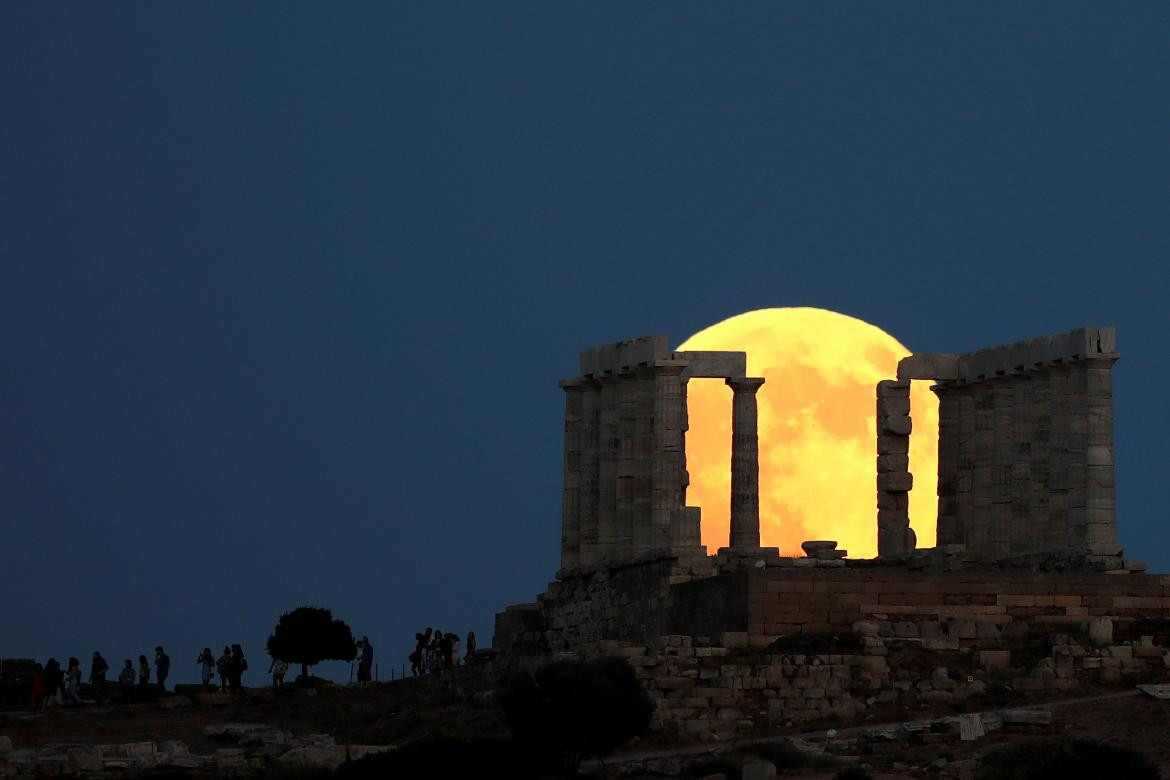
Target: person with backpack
x,y
97,677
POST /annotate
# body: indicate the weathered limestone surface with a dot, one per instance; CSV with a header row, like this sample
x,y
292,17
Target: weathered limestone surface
x,y
894,479
745,464
1025,444
625,475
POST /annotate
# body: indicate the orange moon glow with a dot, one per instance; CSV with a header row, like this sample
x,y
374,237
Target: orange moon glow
x,y
817,430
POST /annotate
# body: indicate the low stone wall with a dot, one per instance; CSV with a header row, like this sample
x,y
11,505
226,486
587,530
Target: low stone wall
x,y
728,689
795,601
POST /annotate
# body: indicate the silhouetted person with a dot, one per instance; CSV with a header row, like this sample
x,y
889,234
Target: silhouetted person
x,y
97,677
126,679
366,663
454,649
278,669
427,654
239,665
470,646
436,654
445,647
206,661
143,678
416,658
73,682
54,682
162,668
224,665
38,688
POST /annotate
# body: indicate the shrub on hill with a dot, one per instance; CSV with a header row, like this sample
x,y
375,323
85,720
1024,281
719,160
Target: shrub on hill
x,y
310,635
568,710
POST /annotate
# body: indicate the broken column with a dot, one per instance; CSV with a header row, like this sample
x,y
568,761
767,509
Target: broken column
x,y
894,480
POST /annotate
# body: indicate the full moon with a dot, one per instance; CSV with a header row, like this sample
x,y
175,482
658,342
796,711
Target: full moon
x,y
817,423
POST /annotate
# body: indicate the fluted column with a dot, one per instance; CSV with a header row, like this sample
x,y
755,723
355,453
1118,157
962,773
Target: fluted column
x,y
745,464
669,452
570,504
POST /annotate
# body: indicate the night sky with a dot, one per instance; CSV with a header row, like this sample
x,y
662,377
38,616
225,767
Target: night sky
x,y
286,288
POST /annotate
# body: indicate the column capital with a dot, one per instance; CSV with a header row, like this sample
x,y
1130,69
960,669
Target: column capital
x,y
744,384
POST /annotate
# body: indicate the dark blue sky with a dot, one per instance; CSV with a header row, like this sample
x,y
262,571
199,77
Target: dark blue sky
x,y
285,289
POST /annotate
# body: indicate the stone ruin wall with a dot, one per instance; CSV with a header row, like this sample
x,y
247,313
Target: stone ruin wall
x,y
727,654
1025,459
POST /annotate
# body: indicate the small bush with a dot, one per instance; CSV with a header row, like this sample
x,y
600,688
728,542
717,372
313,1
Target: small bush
x,y
567,710
1063,759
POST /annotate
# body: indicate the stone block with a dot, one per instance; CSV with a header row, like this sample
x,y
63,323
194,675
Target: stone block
x,y
929,366
763,770
900,425
895,482
893,388
995,660
889,444
1101,631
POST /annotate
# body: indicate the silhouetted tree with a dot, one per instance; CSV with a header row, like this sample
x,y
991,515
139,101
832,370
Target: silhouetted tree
x,y
567,710
310,635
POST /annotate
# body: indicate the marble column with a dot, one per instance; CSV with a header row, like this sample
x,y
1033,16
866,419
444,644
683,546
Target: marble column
x,y
1098,456
570,500
745,464
667,487
588,480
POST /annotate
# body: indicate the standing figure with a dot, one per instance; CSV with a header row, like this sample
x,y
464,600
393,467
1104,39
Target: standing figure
x,y
278,669
73,682
454,649
445,650
206,661
54,682
416,657
162,668
470,647
143,678
38,688
224,665
366,663
126,679
97,677
239,665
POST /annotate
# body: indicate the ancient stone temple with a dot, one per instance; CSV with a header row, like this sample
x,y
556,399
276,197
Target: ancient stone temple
x,y
728,643
625,453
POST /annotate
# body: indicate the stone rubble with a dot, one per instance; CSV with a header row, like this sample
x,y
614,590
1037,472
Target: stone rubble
x,y
261,748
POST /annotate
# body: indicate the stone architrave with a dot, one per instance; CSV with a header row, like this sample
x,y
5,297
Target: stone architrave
x,y
745,464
